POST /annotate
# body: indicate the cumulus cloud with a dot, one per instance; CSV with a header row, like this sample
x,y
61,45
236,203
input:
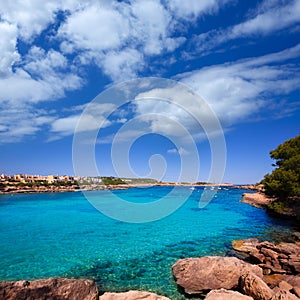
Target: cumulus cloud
x,y
109,28
32,17
43,76
120,38
125,35
123,64
8,50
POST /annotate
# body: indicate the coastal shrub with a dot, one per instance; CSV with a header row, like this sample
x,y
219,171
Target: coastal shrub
x,y
112,181
284,182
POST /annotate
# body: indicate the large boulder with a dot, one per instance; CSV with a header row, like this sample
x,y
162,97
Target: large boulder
x,y
223,294
52,288
199,275
132,295
255,287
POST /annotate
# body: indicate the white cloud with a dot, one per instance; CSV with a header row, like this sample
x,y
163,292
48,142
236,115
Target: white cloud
x,y
20,122
236,92
123,64
96,27
194,8
270,17
151,21
274,19
32,17
120,37
125,35
43,76
8,51
94,117
180,151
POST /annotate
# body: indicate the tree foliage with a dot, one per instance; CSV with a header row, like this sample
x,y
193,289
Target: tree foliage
x,y
284,182
112,181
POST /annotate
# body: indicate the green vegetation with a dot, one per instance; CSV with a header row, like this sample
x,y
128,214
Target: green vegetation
x,y
112,181
284,182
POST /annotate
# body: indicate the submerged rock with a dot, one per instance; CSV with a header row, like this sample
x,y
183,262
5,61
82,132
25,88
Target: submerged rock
x,y
200,275
132,295
52,288
223,294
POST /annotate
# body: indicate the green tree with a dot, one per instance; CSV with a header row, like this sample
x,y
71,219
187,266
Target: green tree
x,y
284,182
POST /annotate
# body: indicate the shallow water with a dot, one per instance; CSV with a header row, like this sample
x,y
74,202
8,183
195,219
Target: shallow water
x,y
62,234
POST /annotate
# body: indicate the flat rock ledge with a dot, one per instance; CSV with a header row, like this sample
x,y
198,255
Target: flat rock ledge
x,y
65,289
259,200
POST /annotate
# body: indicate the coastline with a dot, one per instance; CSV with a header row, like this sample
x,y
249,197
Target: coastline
x,y
11,189
50,287
258,199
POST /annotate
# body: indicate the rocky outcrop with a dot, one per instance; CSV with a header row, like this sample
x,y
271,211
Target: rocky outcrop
x,y
132,295
199,275
223,294
255,287
63,288
52,288
259,200
283,258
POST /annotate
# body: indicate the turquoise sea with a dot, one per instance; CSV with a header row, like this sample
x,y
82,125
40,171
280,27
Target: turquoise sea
x,y
62,234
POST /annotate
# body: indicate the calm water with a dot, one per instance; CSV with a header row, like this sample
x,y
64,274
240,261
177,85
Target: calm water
x,y
62,234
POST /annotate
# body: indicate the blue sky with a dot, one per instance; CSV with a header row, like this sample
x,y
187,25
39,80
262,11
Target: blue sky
x,y
56,56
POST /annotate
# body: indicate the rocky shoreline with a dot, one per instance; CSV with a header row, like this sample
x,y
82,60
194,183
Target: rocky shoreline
x,y
258,199
288,209
266,271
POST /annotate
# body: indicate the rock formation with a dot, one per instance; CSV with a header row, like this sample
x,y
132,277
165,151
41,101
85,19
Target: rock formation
x,y
255,287
283,258
223,294
199,275
52,288
132,295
